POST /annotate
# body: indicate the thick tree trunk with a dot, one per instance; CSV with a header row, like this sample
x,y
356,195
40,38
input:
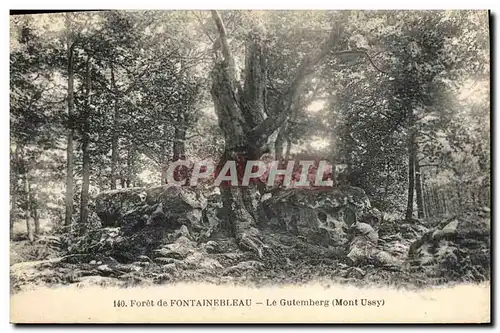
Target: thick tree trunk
x,y
238,218
84,197
115,131
241,113
69,147
418,188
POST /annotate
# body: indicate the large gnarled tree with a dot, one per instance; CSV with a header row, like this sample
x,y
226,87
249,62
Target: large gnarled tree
x,y
246,121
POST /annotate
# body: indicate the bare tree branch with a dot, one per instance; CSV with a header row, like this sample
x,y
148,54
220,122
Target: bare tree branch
x,y
364,53
226,52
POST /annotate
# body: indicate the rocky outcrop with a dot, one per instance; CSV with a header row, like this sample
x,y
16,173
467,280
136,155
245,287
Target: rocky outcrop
x,y
458,247
167,206
321,215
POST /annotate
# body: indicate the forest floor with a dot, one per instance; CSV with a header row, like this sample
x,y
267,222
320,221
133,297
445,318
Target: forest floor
x,y
287,260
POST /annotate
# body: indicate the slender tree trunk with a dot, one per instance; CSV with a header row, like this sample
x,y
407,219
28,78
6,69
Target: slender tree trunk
x,y
437,204
288,148
115,131
279,143
69,146
84,197
179,145
163,170
459,190
418,188
334,154
425,196
14,172
411,173
430,202
131,156
36,218
29,229
445,203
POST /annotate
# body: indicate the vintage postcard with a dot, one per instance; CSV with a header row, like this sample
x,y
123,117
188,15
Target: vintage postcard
x,y
238,166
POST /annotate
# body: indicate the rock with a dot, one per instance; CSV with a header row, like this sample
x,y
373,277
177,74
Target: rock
x,y
265,197
192,218
360,251
457,248
200,260
243,267
385,259
362,244
179,200
165,260
112,205
309,212
123,246
158,217
93,262
133,208
211,247
180,249
366,230
373,217
355,273
104,269
170,268
144,258
183,232
210,219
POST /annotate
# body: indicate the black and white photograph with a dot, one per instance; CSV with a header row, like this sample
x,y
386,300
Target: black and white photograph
x,y
277,166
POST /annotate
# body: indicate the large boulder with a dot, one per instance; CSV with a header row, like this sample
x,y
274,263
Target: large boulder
x,y
457,248
138,220
111,206
133,208
321,215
